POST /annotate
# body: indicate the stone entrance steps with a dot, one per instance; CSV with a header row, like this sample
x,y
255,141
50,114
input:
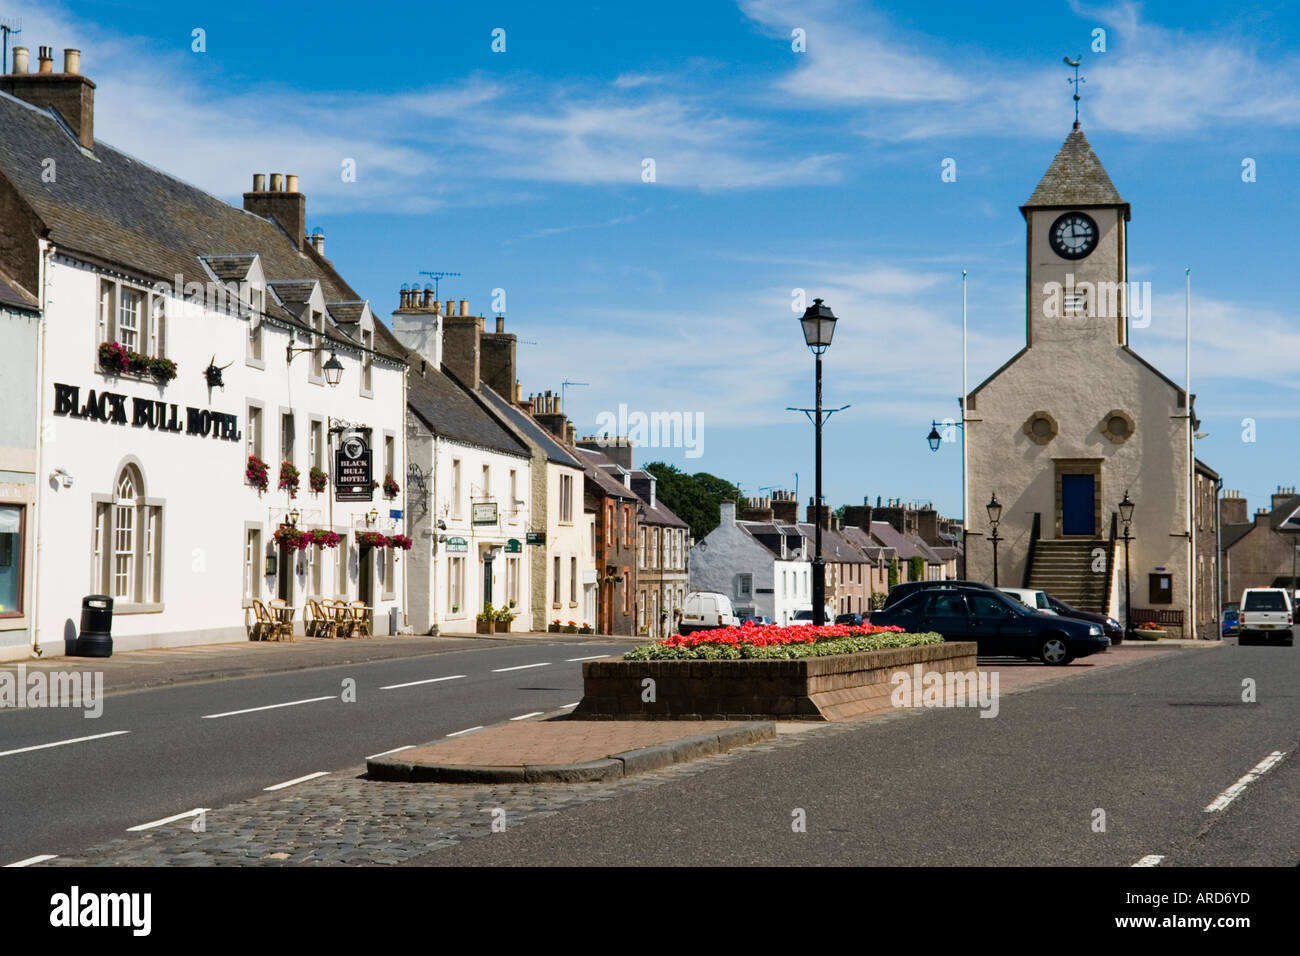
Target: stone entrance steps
x,y
1064,569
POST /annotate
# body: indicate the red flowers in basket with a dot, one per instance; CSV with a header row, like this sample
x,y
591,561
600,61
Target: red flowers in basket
x,y
317,479
255,473
401,542
372,539
391,487
290,537
289,478
326,539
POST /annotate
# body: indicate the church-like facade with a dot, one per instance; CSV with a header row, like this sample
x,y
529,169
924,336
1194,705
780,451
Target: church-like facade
x,y
1076,419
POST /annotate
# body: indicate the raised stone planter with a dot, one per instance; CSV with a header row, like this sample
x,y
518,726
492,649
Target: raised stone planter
x,y
836,687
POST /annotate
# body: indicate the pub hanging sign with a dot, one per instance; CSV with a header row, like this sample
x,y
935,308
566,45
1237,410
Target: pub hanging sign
x,y
353,476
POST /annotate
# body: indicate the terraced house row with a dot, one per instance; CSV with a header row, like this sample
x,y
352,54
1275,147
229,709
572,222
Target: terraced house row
x,y
202,415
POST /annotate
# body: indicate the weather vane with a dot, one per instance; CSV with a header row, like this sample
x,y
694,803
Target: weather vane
x,y
1076,81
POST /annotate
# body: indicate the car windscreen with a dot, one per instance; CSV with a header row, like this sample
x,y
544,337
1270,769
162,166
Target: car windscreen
x,y
1043,602
1265,601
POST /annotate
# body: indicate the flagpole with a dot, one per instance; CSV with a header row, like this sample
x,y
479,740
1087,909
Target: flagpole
x,y
964,393
1191,450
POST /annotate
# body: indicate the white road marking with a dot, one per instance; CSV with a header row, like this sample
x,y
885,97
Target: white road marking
x,y
253,710
415,683
290,783
521,667
34,859
469,731
1238,788
63,743
593,657
531,713
165,821
1151,859
574,704
393,751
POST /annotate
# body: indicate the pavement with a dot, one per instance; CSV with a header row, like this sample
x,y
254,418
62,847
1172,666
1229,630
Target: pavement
x,y
1140,732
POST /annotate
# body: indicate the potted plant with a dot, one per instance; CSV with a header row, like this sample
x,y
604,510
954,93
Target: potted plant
x,y
114,358
1148,632
317,480
372,539
255,473
139,364
289,478
483,620
163,369
586,629
391,487
324,538
501,620
570,628
553,627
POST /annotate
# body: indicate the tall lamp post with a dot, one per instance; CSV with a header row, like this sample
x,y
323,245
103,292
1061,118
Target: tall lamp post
x,y
1126,516
818,323
995,515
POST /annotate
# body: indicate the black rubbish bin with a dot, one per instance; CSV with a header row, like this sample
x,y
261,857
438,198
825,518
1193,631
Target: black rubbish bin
x,y
95,639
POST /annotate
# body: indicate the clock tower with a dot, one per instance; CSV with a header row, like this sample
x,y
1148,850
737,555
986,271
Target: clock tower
x,y
1077,275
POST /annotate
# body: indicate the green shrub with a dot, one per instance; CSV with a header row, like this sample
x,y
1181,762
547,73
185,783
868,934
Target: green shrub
x,y
916,568
893,571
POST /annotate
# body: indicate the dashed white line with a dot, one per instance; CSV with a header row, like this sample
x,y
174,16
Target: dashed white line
x,y
416,683
63,743
393,751
33,859
253,710
469,730
290,783
166,820
574,704
521,667
1151,859
1238,788
531,713
593,657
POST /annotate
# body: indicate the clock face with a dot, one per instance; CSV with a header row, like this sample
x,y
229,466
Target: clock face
x,y
1073,235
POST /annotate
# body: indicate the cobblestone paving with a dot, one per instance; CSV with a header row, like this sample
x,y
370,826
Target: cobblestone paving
x,y
345,820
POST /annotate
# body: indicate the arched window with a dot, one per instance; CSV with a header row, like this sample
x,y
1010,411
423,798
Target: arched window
x,y
128,541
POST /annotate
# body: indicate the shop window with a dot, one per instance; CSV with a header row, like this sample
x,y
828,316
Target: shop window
x,y
13,522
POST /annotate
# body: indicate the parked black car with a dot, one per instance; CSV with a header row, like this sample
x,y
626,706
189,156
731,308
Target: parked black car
x,y
900,591
853,617
996,623
1112,628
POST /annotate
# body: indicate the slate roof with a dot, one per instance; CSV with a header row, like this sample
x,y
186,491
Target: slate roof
x,y
13,295
592,462
449,411
1076,178
525,423
1286,517
1232,533
659,514
835,547
346,313
904,546
113,209
230,268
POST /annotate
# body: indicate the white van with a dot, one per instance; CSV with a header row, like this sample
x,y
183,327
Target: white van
x,y
1030,598
705,610
1265,615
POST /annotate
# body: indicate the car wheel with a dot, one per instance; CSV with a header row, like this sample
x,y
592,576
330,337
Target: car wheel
x,y
1055,651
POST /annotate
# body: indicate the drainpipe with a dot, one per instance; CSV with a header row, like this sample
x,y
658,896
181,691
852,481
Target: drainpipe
x,y
38,528
1218,558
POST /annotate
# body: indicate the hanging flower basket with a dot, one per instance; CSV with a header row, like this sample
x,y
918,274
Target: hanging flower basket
x,y
288,537
391,488
372,539
401,542
289,478
256,473
318,480
326,539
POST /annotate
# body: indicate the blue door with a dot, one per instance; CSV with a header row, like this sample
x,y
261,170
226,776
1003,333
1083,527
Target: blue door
x,y
1078,504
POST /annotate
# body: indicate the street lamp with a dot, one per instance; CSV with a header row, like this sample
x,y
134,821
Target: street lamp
x,y
818,323
995,515
1126,515
332,368
935,438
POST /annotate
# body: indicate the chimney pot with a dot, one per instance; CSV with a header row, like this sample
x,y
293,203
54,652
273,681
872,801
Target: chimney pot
x,y
259,182
318,241
20,59
291,183
71,60
277,182
46,59
501,324
464,306
428,302
519,393
437,307
451,306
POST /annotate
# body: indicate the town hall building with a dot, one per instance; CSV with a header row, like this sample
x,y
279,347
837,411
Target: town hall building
x,y
1076,420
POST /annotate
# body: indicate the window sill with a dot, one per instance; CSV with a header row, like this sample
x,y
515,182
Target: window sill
x,y
367,393
255,363
13,622
138,609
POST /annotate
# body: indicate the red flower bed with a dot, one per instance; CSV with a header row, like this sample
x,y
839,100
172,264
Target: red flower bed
x,y
773,635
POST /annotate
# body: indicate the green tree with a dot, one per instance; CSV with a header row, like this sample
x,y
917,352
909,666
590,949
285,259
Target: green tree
x,y
693,498
893,571
916,567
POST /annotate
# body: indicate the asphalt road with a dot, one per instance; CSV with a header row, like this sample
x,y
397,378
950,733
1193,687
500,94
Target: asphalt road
x,y
1152,745
177,749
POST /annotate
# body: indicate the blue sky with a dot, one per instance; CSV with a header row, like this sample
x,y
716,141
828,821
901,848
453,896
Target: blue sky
x,y
775,170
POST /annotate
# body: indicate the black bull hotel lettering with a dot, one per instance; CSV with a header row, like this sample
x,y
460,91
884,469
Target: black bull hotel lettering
x,y
110,407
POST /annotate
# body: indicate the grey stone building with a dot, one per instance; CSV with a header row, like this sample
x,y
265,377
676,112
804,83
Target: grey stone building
x,y
1259,551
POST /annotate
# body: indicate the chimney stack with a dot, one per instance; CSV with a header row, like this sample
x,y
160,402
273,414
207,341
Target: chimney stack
x,y
318,241
70,94
462,347
287,207
501,324
499,367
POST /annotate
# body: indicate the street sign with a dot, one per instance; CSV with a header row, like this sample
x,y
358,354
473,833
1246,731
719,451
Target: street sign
x,y
513,546
457,546
395,513
535,537
484,512
353,476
